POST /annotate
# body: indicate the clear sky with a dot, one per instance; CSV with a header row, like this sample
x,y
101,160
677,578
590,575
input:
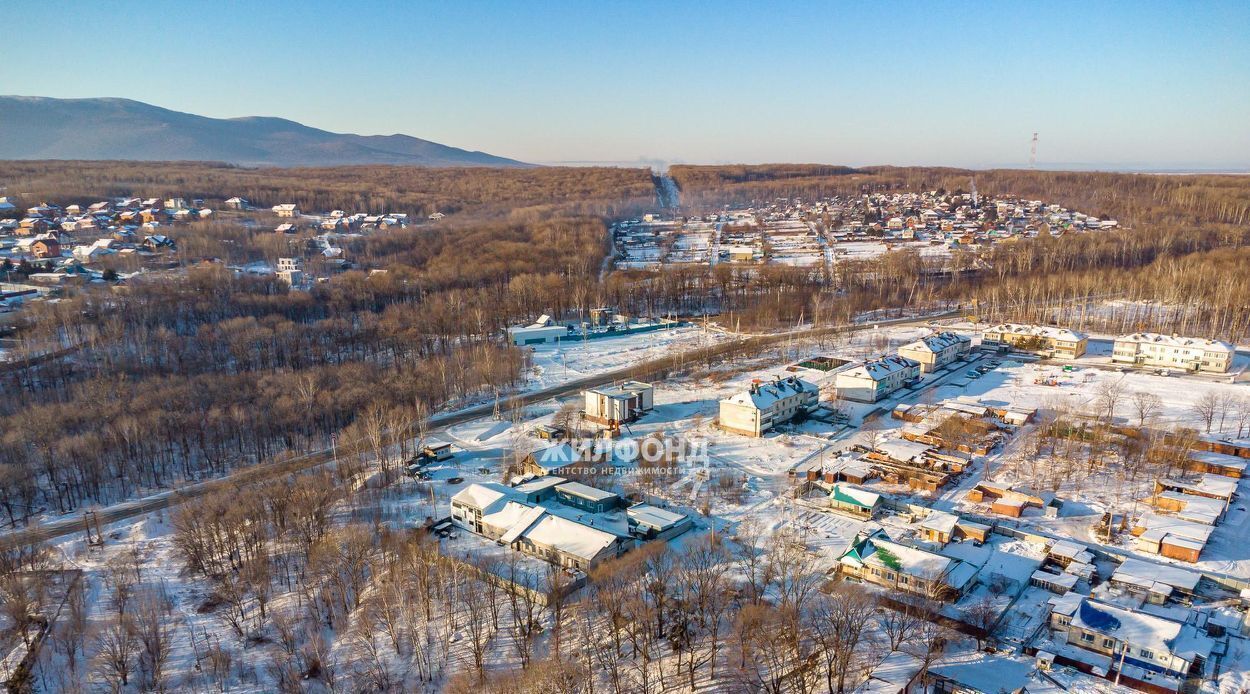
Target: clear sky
x,y
1112,84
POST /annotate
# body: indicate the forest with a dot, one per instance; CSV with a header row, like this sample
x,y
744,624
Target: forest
x,y
416,325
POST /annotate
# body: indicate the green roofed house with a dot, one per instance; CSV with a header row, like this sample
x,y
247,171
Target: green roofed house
x,y
853,501
874,558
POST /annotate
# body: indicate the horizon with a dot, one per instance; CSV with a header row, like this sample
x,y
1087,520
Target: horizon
x,y
1120,86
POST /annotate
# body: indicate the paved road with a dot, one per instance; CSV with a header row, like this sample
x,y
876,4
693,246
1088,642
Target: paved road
x,y
68,525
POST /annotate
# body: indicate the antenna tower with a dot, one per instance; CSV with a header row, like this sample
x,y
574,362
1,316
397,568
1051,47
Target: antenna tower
x,y
1033,153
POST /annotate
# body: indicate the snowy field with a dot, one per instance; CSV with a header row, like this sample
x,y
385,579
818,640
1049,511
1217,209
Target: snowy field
x,y
555,364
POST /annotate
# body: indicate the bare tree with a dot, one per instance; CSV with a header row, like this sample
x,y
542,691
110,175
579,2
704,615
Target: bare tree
x,y
154,634
1146,405
1207,407
1107,396
115,651
840,621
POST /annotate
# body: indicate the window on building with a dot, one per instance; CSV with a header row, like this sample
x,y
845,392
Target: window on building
x,y
1088,638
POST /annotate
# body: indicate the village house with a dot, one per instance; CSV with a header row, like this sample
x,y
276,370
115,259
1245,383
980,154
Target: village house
x,y
984,673
876,379
286,210
1141,650
853,501
874,558
616,404
765,405
1048,341
1173,352
939,527
937,350
46,246
237,203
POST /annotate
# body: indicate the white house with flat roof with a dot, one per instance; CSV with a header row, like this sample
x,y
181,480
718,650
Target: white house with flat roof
x,y
1173,352
540,333
615,404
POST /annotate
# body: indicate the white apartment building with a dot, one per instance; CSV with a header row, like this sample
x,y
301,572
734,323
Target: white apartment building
x,y
1173,352
765,405
1044,339
936,350
876,379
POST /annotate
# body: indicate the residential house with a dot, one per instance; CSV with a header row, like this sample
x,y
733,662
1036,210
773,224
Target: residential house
x,y
615,404
876,379
898,673
1138,649
939,527
1173,352
46,246
982,673
586,498
765,405
1046,340
499,513
286,210
853,501
874,558
936,350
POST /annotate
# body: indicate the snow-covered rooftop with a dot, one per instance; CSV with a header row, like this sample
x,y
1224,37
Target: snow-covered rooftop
x,y
1045,331
878,369
1177,341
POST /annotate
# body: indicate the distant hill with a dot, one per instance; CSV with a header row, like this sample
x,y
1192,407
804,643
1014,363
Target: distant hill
x,y
33,127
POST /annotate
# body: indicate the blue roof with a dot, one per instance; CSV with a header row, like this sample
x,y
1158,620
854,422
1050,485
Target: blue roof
x,y
1098,619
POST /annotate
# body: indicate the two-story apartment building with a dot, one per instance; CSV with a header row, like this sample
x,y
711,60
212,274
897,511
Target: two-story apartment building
x,y
936,350
876,379
1046,340
765,405
1173,352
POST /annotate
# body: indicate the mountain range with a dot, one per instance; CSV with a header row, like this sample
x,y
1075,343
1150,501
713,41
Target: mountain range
x,y
33,127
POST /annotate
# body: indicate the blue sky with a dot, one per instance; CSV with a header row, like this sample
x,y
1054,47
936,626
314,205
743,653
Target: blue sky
x,y
1131,85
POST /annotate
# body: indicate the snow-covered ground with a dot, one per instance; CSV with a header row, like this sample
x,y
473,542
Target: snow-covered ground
x,y
555,364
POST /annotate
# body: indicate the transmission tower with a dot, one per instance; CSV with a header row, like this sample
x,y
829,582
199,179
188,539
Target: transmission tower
x,y
1033,153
